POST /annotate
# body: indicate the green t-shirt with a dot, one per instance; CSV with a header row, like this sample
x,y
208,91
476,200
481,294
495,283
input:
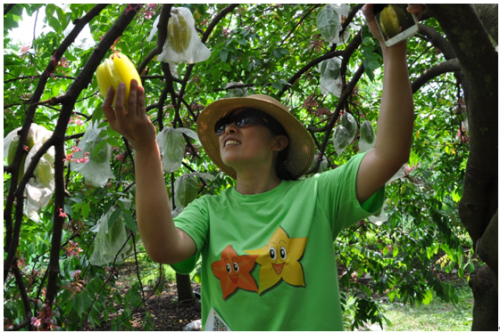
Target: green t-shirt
x,y
268,259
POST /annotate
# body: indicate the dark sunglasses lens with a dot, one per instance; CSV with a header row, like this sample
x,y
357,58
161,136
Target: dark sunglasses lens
x,y
246,121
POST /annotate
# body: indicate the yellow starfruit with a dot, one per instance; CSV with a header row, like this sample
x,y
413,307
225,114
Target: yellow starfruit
x,y
118,68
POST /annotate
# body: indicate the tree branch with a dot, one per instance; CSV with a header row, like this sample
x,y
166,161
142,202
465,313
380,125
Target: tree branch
x,y
12,240
445,67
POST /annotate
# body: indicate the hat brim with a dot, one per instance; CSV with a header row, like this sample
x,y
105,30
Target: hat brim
x,y
301,151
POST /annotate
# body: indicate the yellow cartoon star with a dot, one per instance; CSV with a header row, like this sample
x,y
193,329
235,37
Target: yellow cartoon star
x,y
279,259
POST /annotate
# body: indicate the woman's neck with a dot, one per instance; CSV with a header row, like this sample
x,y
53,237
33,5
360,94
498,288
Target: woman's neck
x,y
252,182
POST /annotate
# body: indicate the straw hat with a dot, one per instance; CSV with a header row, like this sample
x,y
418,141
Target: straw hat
x,y
301,151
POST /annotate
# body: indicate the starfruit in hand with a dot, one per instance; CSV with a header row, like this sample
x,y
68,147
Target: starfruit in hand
x,y
118,68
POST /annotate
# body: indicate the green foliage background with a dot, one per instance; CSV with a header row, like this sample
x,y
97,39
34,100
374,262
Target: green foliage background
x,y
263,46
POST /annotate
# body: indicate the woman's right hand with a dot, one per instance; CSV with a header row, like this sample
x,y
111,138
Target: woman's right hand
x,y
133,123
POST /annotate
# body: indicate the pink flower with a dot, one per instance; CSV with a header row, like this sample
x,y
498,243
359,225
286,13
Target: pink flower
x,y
73,274
61,213
26,148
35,321
64,62
75,149
119,157
24,49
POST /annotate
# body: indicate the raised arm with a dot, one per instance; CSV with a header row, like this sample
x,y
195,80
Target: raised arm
x,y
395,122
163,241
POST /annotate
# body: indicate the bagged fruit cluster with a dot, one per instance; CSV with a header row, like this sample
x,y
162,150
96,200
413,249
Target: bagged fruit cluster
x,y
97,170
366,137
39,188
344,133
109,240
118,68
330,81
186,189
329,23
183,43
173,146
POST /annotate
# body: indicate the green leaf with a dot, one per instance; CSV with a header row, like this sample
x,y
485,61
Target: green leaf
x,y
129,221
114,142
113,217
277,85
85,210
78,306
61,15
223,55
49,10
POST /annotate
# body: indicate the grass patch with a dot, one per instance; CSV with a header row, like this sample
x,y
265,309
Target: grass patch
x,y
437,316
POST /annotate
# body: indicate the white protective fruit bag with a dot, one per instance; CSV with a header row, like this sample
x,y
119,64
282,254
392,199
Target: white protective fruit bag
x,y
183,43
330,81
347,120
340,139
236,92
109,240
40,188
97,170
172,146
366,137
186,189
329,22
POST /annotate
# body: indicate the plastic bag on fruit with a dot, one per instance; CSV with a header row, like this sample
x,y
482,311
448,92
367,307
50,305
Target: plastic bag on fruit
x,y
236,92
186,190
36,134
347,120
172,146
183,43
109,240
366,137
329,21
97,170
40,188
330,81
340,139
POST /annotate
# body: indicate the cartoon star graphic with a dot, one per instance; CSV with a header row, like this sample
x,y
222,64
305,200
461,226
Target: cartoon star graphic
x,y
233,271
279,259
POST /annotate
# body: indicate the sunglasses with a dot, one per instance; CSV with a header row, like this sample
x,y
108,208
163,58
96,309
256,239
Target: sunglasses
x,y
243,119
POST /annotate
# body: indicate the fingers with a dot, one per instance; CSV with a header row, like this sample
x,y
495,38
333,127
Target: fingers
x,y
132,99
107,106
120,111
141,101
368,11
417,10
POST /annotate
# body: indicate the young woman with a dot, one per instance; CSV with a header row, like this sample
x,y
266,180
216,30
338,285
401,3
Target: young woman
x,y
266,244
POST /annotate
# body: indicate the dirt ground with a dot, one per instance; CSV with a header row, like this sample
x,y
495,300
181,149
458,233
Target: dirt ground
x,y
168,314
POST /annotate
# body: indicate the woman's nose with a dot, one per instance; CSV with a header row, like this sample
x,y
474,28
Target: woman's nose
x,y
231,128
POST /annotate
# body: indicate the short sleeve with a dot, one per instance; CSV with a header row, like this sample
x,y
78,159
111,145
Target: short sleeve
x,y
193,220
337,196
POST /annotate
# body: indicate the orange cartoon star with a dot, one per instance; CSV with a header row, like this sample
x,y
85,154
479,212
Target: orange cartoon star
x,y
279,259
233,271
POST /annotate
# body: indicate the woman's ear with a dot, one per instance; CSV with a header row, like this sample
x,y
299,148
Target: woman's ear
x,y
280,143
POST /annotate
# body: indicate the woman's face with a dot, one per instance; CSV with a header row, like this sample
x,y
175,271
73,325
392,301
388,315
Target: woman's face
x,y
248,147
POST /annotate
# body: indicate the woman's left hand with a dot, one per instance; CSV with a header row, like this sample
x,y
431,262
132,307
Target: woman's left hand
x,y
417,10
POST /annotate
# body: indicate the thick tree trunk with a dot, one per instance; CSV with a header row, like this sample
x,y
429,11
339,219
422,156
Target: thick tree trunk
x,y
485,311
184,289
477,209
